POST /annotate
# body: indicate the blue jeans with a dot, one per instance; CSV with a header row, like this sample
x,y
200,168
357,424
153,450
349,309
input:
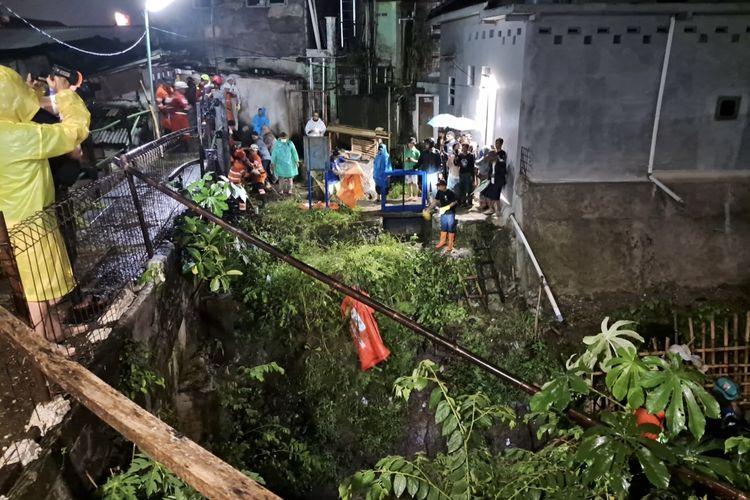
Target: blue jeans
x,y
448,222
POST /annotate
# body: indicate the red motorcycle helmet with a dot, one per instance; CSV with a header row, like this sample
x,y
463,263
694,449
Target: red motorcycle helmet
x,y
216,80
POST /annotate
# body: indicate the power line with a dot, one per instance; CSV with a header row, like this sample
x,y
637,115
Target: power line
x,y
57,40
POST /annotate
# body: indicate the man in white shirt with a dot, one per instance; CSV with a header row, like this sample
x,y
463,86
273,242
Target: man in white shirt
x,y
315,126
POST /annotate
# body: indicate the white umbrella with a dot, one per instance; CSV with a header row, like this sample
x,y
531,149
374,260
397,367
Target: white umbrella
x,y
464,123
442,120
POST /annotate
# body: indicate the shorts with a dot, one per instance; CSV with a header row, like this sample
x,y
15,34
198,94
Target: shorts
x,y
492,192
448,222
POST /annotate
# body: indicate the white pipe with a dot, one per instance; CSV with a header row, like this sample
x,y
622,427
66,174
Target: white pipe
x,y
542,279
331,34
314,19
664,188
310,64
659,98
323,113
341,14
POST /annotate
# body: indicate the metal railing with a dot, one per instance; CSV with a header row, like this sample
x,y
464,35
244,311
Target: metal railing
x,y
79,254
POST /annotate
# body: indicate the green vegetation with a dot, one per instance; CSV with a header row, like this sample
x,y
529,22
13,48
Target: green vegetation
x,y
305,416
613,459
325,411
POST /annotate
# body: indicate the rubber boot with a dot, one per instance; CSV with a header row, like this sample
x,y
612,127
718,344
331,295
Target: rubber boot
x,y
441,244
451,240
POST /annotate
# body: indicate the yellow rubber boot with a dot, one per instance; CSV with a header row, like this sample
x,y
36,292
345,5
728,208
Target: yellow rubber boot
x,y
441,244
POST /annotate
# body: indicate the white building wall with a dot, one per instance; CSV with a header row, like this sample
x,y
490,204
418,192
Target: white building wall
x,y
499,46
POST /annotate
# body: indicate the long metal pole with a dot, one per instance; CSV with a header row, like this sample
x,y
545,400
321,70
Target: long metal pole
x,y
660,96
148,58
580,417
340,287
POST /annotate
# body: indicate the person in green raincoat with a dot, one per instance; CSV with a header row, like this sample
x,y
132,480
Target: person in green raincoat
x,y
284,160
26,188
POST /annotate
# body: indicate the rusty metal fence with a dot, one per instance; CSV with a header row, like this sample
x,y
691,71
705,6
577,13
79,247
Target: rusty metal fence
x,y
67,267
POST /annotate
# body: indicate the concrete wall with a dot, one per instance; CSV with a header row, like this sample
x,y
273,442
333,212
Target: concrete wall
x,y
280,98
628,237
388,33
588,108
467,42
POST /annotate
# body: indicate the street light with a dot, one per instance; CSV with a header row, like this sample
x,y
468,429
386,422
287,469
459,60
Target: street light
x,y
152,6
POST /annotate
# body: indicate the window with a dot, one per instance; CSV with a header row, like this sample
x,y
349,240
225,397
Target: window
x,y
702,38
646,39
616,39
633,30
690,29
721,29
602,30
735,38
557,40
451,90
574,31
492,33
484,34
662,29
470,76
587,40
727,108
545,31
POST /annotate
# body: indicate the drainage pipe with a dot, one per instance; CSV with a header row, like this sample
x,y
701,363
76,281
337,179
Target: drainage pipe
x,y
537,267
585,420
657,117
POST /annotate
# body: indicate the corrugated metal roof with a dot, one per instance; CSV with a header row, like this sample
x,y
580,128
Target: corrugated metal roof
x,y
18,38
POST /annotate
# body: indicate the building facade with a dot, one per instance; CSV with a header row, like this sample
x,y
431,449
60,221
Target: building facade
x,y
633,119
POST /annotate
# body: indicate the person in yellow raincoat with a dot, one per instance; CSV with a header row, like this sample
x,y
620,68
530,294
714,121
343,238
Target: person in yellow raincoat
x,y
26,187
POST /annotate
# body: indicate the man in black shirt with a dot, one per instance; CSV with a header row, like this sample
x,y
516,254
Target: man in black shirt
x,y
466,173
431,163
447,201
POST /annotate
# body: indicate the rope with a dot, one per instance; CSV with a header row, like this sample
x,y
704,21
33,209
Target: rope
x,y
100,54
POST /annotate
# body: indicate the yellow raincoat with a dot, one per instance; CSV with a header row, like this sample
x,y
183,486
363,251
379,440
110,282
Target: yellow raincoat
x,y
26,185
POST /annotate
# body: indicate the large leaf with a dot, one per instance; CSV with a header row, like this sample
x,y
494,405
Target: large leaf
x,y
624,378
559,392
612,341
677,389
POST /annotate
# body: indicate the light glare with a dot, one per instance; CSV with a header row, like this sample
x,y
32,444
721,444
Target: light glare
x,y
157,5
122,19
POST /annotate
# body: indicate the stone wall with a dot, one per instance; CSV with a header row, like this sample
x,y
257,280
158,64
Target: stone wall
x,y
609,237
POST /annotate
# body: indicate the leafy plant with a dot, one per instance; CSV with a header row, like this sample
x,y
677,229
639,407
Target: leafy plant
x,y
146,478
675,387
212,195
462,471
205,248
609,342
138,378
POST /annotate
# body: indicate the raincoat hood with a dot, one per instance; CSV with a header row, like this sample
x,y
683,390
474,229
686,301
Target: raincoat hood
x,y
18,103
261,111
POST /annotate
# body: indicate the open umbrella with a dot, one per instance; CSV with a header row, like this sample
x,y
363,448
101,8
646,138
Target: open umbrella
x,y
464,123
442,120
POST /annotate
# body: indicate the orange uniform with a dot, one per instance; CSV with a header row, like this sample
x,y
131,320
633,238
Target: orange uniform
x,y
365,333
643,417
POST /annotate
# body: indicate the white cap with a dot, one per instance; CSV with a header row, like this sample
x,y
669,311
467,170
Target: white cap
x,y
254,147
180,85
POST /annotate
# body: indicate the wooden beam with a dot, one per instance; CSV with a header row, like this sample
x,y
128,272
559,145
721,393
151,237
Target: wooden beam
x,y
202,470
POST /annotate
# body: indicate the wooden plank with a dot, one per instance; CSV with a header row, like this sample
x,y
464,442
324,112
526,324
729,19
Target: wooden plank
x,y
202,470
